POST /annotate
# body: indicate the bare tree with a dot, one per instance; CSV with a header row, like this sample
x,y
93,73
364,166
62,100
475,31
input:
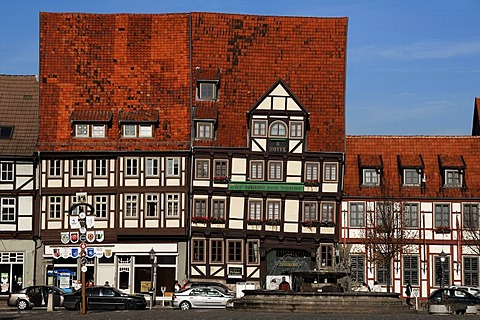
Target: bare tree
x,y
471,228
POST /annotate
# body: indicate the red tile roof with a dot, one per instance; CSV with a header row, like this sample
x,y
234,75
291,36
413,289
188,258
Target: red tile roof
x,y
91,115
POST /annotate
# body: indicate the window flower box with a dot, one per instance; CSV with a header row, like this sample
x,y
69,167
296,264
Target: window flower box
x,y
443,229
221,179
273,222
327,224
217,220
310,223
199,219
311,183
254,222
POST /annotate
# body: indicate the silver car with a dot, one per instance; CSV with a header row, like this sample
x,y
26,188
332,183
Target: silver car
x,y
35,296
201,297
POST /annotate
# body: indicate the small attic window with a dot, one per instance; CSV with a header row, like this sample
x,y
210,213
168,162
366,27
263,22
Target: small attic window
x,y
6,132
207,90
28,97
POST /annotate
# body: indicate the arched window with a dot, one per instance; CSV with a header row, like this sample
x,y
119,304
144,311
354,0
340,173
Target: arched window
x,y
278,129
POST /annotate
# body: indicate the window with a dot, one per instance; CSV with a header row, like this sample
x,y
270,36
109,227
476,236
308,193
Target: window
x,y
296,130
358,268
253,252
134,131
129,131
330,171
256,170
84,130
453,178
328,212
410,220
98,131
100,167
207,91
311,172
326,255
204,130
383,274
411,177
259,128
275,170
201,171
131,167
173,167
442,215
470,216
278,129
55,207
309,211
131,205
470,271
152,167
78,168
173,205
371,177
216,251
442,268
145,131
198,248
200,209
54,168
6,171
218,209
6,132
151,205
410,270
357,215
81,130
221,168
235,250
273,211
255,210
101,207
7,211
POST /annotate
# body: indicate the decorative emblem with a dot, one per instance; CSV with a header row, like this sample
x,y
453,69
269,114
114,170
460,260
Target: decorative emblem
x,y
56,253
74,224
83,230
90,253
108,253
90,236
65,237
99,235
99,252
74,237
75,252
65,252
90,220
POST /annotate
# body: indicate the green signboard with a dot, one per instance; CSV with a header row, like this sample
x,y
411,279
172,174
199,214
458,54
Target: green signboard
x,y
266,186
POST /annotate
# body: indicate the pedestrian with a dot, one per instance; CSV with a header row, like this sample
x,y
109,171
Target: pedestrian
x,y
408,293
284,285
185,283
107,284
363,288
176,286
376,287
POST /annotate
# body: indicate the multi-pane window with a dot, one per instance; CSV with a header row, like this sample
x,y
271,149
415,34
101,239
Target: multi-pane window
x,y
221,168
311,171
198,248
411,177
326,255
259,128
204,130
296,129
357,268
253,252
383,274
410,270
78,168
255,210
81,130
6,171
411,215
309,211
357,214
330,171
54,168
131,205
134,130
235,250
98,131
101,206
218,211
7,211
328,212
101,167
173,205
145,131
173,165
129,130
470,216
273,210
201,167
256,170
55,207
442,215
216,251
453,178
278,129
200,208
131,167
275,170
442,269
470,271
371,177
207,91
151,205
152,167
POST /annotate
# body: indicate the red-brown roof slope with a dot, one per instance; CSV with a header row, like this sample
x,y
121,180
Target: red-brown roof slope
x,y
18,109
112,63
429,153
253,52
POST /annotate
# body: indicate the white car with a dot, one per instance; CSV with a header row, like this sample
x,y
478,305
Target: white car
x,y
473,290
201,297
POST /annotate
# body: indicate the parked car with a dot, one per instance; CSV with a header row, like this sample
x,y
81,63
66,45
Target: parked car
x,y
104,298
473,290
35,296
200,297
217,285
453,296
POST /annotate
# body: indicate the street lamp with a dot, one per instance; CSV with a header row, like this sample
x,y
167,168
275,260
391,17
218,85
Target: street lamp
x,y
442,260
152,289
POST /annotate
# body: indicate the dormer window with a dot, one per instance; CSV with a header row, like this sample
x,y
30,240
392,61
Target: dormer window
x,y
296,129
370,166
84,130
207,91
6,132
137,130
259,128
278,129
371,177
411,177
453,171
453,178
204,131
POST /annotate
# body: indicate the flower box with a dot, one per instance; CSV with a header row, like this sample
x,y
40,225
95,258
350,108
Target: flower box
x,y
443,229
273,222
327,224
254,222
310,223
199,219
217,220
311,183
222,179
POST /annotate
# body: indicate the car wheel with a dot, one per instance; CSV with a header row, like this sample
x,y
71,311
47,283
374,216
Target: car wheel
x,y
78,305
22,305
185,305
130,305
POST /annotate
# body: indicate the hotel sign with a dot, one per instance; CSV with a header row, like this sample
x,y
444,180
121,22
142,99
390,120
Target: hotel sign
x,y
277,146
266,186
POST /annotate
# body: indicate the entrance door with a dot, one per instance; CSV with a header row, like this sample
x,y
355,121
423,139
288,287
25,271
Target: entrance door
x,y
166,278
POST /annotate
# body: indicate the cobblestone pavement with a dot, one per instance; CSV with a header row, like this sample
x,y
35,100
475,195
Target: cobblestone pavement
x,y
204,314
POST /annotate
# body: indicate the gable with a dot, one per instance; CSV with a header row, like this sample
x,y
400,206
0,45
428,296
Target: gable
x,y
279,98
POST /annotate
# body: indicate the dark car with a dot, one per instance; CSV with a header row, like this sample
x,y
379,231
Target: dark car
x,y
35,296
216,285
453,296
104,298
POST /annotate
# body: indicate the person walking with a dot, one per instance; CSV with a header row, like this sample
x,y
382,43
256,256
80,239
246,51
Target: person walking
x,y
176,286
284,285
408,293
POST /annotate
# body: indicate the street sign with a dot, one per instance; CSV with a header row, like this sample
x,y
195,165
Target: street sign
x,y
83,261
83,245
84,268
83,237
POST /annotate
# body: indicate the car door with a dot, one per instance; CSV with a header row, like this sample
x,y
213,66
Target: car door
x,y
198,297
55,294
94,300
112,298
215,298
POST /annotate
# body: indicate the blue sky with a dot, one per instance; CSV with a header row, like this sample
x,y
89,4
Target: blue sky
x,y
413,67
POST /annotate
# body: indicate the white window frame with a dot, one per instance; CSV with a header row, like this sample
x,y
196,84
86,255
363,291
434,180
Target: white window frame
x,y
126,130
78,168
372,175
54,207
82,130
311,171
204,131
201,250
220,251
457,175
173,167
253,246
359,220
308,207
8,211
330,215
101,207
149,199
7,171
210,92
330,172
218,208
296,129
145,130
152,167
131,206
255,165
101,167
274,208
131,167
98,131
255,209
275,170
173,205
278,129
55,167
203,172
259,128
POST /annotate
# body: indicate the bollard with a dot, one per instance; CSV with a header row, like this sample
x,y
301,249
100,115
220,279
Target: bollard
x,y
50,302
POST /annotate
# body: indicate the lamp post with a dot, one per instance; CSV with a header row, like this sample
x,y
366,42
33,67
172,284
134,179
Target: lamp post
x,y
152,289
442,260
